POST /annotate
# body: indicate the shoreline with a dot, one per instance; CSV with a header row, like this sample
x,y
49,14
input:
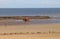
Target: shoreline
x,y
10,22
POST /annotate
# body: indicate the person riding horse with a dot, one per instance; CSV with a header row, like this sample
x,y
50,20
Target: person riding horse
x,y
26,19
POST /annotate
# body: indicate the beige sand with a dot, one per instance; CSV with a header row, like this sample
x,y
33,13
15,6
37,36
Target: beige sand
x,y
35,36
31,28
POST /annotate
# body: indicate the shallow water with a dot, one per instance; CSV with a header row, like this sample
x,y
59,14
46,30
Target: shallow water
x,y
33,21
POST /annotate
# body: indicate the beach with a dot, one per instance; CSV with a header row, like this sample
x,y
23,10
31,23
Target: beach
x,y
44,23
30,31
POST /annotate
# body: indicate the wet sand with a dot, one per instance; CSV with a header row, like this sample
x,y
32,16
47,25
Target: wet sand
x,y
32,21
47,31
31,28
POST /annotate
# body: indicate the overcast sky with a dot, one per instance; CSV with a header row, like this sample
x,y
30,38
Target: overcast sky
x,y
29,3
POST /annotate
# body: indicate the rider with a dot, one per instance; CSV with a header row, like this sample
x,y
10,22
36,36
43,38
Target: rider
x,y
26,19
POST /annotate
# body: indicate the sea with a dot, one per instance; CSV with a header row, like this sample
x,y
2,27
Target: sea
x,y
52,12
29,11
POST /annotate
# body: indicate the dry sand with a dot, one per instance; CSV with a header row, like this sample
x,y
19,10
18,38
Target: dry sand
x,y
35,36
47,31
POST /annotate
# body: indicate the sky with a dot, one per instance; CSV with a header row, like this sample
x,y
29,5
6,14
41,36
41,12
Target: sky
x,y
29,3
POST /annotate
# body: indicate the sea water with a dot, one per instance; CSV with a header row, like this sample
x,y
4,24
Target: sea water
x,y
29,11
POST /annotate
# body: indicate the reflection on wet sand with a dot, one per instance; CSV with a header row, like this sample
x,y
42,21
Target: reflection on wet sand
x,y
33,21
